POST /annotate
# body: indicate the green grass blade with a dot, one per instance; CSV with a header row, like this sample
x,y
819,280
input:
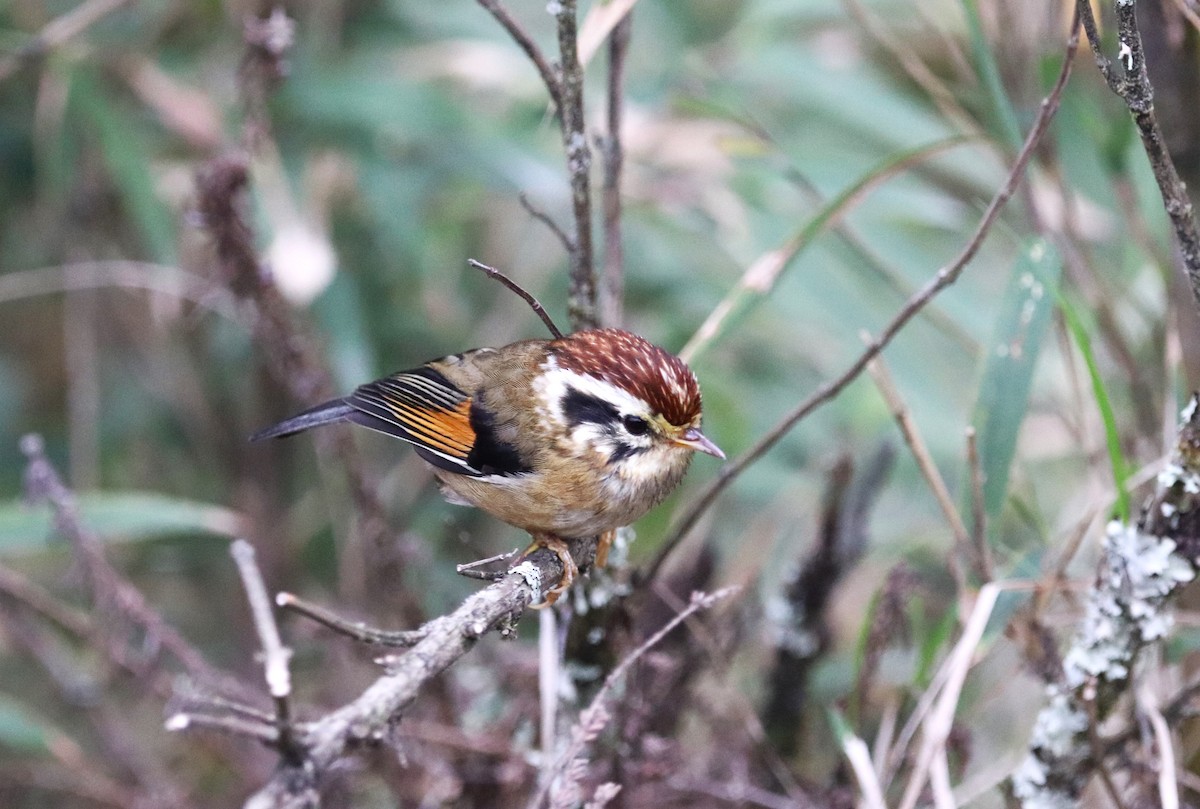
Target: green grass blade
x,y
762,276
125,154
1116,456
20,729
989,74
114,516
1012,356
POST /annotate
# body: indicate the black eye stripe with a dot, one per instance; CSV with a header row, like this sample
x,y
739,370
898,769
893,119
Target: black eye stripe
x,y
579,407
624,452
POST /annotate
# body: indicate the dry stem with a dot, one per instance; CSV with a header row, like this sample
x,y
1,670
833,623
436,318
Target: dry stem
x,y
945,276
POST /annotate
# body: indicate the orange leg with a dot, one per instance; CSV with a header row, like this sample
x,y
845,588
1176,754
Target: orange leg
x,y
603,546
570,569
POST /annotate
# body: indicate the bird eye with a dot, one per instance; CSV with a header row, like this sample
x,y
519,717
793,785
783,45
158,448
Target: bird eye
x,y
635,425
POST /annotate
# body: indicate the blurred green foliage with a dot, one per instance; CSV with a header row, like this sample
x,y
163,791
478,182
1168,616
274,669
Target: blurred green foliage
x,y
403,135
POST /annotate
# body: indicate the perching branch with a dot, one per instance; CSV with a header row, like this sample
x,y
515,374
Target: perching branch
x,y
367,721
1132,84
945,276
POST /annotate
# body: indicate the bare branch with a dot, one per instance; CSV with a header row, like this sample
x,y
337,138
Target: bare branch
x,y
525,295
945,276
1134,89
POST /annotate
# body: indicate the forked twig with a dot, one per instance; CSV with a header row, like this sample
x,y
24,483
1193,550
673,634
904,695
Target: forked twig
x,y
526,296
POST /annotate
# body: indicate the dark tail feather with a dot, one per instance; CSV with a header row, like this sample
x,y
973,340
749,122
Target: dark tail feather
x,y
328,413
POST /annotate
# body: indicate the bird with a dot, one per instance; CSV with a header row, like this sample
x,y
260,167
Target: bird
x,y
564,438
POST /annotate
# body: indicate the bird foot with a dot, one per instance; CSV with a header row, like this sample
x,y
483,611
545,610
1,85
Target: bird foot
x,y
570,570
604,544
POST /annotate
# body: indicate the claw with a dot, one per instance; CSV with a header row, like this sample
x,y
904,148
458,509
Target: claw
x,y
570,569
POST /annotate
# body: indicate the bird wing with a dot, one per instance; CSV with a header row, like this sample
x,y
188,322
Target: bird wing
x,y
425,409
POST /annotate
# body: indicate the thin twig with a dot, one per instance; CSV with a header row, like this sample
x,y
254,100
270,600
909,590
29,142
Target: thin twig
x,y
945,276
984,567
899,47
612,277
763,274
941,718
471,570
525,295
275,655
526,43
17,588
546,220
916,444
864,771
58,31
233,725
351,629
1168,789
159,278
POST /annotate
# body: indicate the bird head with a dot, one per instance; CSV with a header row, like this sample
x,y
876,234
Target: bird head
x,y
632,404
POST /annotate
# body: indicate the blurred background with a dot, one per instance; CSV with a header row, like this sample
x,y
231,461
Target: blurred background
x,y
842,152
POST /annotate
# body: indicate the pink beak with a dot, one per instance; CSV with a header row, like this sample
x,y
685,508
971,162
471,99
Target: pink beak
x,y
692,438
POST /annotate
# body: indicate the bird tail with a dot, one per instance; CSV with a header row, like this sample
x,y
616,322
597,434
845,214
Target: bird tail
x,y
327,413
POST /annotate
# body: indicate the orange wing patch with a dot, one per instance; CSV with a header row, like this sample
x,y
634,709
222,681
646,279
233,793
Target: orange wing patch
x,y
423,408
444,430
